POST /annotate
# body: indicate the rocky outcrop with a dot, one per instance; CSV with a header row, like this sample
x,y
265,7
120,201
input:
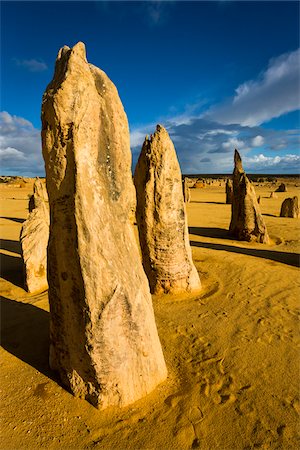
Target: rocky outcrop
x,y
161,218
229,191
290,208
103,336
186,190
34,240
39,194
247,223
281,188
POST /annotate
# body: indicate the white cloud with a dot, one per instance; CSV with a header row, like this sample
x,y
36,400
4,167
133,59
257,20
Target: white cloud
x,y
257,141
203,146
9,152
33,65
20,147
275,92
289,163
233,143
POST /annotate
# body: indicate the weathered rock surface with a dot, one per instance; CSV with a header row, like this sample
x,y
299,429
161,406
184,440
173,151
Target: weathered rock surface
x,y
229,191
34,240
281,188
103,336
273,195
247,223
186,190
39,194
290,208
161,218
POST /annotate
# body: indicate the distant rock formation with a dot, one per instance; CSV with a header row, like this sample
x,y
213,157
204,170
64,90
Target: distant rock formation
x,y
229,191
186,190
247,223
281,188
103,336
34,238
39,194
290,208
161,218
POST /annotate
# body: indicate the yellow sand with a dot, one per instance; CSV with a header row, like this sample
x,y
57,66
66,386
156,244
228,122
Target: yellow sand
x,y
232,352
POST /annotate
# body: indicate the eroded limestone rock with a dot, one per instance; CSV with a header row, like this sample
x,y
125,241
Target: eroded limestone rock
x,y
247,223
281,188
161,217
103,336
39,194
290,208
229,191
186,190
34,240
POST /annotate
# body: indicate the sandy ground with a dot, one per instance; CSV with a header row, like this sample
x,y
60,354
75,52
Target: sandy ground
x,y
232,352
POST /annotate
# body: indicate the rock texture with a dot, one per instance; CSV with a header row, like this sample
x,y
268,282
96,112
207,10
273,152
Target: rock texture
x,y
39,194
103,336
186,190
229,191
247,223
281,188
161,218
34,240
273,195
290,208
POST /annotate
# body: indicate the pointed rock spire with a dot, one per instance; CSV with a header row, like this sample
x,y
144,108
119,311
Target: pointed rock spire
x,y
103,337
161,217
247,223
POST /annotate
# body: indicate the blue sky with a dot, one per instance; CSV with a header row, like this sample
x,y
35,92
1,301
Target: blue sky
x,y
218,75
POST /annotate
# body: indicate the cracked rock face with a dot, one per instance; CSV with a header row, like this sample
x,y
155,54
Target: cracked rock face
x,y
247,223
161,218
103,336
34,240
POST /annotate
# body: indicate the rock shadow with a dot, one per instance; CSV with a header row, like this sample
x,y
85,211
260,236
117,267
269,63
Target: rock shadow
x,y
14,219
11,269
220,233
211,203
25,334
11,246
291,259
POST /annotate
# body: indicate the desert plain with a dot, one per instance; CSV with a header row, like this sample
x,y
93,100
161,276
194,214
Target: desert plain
x,y
232,351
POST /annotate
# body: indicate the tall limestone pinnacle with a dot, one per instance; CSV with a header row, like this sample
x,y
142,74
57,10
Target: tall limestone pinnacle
x,y
103,336
247,223
161,217
34,240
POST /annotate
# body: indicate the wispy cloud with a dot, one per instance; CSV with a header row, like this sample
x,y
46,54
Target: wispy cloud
x,y
275,92
156,12
20,147
33,65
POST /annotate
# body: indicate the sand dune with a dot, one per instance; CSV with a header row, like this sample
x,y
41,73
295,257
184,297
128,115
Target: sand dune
x,y
232,352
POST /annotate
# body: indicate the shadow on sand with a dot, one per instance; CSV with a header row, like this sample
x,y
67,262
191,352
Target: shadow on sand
x,y
25,334
292,259
211,203
11,267
220,233
14,219
11,246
